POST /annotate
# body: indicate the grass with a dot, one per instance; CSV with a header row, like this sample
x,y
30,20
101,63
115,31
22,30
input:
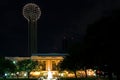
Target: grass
x,y
19,79
61,79
84,79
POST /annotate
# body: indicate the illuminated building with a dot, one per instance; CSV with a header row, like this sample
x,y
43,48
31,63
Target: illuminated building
x,y
46,61
49,61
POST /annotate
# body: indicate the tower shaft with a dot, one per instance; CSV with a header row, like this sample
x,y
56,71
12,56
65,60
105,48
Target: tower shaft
x,y
32,13
32,37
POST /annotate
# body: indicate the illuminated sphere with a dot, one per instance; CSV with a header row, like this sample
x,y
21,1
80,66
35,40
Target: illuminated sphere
x,y
31,11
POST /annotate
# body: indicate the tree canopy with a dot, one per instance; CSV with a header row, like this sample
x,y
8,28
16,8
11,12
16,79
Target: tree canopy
x,y
100,44
6,65
26,65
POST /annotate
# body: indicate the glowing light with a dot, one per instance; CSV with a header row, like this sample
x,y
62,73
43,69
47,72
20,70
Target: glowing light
x,y
49,75
62,74
31,11
6,74
66,72
36,73
17,73
91,72
14,62
12,74
71,75
94,74
53,72
25,74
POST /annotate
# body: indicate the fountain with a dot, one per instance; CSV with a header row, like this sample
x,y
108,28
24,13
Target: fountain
x,y
50,76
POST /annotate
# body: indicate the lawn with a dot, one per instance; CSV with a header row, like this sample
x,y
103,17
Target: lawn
x,y
84,79
62,79
19,79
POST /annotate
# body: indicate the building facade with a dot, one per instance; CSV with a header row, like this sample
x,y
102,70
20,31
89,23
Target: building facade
x,y
46,61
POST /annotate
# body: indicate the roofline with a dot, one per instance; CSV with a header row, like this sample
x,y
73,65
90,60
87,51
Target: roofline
x,y
50,54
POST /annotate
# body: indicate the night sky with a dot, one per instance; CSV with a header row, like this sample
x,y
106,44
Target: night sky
x,y
60,19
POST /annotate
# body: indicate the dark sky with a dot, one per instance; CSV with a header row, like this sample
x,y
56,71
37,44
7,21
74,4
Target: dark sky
x,y
59,19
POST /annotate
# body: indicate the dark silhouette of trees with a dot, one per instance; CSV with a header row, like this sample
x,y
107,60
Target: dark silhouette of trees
x,y
101,43
70,64
6,66
75,60
100,46
26,65
1,66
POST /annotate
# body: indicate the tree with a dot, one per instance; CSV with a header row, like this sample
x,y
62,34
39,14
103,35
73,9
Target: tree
x,y
26,65
100,45
102,41
7,66
76,59
73,61
69,64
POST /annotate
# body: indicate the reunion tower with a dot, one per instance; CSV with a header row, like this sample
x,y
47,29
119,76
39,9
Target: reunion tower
x,y
32,13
